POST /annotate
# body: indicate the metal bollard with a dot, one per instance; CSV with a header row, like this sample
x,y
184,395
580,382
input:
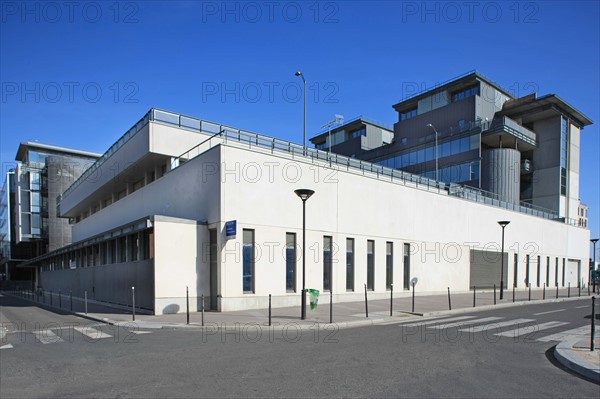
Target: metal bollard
x,y
530,291
579,289
133,303
513,293
44,297
270,310
544,292
413,298
557,292
366,303
202,304
391,298
474,288
71,298
494,294
330,306
569,290
593,324
60,299
85,301
449,303
187,305
50,297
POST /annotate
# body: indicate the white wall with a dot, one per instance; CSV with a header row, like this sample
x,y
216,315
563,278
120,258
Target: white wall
x,y
260,196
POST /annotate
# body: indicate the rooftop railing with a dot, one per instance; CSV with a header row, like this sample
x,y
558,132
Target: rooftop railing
x,y
222,134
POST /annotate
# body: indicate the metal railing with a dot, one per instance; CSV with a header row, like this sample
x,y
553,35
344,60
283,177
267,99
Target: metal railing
x,y
222,134
510,126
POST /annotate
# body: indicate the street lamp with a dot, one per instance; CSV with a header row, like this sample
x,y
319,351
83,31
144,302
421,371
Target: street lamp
x,y
338,120
593,265
303,80
503,224
436,151
304,195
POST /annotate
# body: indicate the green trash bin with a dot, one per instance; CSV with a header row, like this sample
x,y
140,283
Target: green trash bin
x,y
314,298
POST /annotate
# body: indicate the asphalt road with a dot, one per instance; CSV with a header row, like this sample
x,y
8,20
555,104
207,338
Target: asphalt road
x,y
82,358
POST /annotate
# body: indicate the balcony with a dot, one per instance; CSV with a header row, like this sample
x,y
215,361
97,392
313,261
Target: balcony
x,y
512,134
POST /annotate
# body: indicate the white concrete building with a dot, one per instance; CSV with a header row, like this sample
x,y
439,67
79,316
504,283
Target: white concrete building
x,y
152,213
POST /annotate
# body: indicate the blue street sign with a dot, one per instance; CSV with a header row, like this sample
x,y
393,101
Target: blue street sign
x,y
230,229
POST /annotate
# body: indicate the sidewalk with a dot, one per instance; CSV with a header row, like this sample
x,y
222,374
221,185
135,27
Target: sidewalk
x,y
575,354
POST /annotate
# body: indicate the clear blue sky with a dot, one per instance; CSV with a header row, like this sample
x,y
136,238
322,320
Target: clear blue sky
x,y
79,75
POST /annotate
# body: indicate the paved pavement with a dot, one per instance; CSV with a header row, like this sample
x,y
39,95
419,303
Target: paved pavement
x,y
354,314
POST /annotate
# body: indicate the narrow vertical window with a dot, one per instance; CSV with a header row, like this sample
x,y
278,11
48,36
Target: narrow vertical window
x,y
350,264
326,263
248,259
290,262
370,264
389,265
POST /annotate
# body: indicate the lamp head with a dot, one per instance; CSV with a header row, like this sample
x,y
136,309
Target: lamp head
x,y
594,240
304,193
298,73
503,223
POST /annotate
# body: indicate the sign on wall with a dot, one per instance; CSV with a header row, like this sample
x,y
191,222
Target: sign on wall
x,y
230,229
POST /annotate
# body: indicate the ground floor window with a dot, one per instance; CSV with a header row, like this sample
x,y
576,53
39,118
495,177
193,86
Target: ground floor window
x,y
248,261
290,262
370,265
350,264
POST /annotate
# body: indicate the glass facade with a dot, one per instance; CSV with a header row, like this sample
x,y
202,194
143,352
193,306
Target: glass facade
x,y
248,261
408,114
461,95
350,264
290,262
564,150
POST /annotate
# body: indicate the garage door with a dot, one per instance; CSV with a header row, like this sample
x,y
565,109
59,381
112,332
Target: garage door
x,y
485,269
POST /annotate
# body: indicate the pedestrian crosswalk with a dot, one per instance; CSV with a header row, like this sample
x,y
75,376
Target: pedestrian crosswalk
x,y
57,335
502,327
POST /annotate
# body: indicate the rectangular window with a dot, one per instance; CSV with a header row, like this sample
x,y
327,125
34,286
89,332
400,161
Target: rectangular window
x,y
564,151
515,274
539,269
406,266
408,114
290,262
349,264
122,249
248,260
370,264
327,241
389,265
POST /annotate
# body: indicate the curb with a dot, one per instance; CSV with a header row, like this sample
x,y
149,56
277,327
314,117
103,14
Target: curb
x,y
564,354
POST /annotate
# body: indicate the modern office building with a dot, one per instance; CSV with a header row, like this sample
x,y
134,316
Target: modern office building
x,y
180,203
472,131
29,226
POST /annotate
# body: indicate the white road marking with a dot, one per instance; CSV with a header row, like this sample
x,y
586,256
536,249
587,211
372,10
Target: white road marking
x,y
424,323
9,346
466,322
141,332
581,307
550,311
497,325
47,337
583,332
92,333
531,329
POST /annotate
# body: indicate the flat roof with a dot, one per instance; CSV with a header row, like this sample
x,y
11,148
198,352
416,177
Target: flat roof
x,y
47,147
532,102
353,121
449,83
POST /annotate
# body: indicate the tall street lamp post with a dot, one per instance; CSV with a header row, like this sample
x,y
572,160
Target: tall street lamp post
x,y
593,265
436,151
503,224
304,139
304,195
338,120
